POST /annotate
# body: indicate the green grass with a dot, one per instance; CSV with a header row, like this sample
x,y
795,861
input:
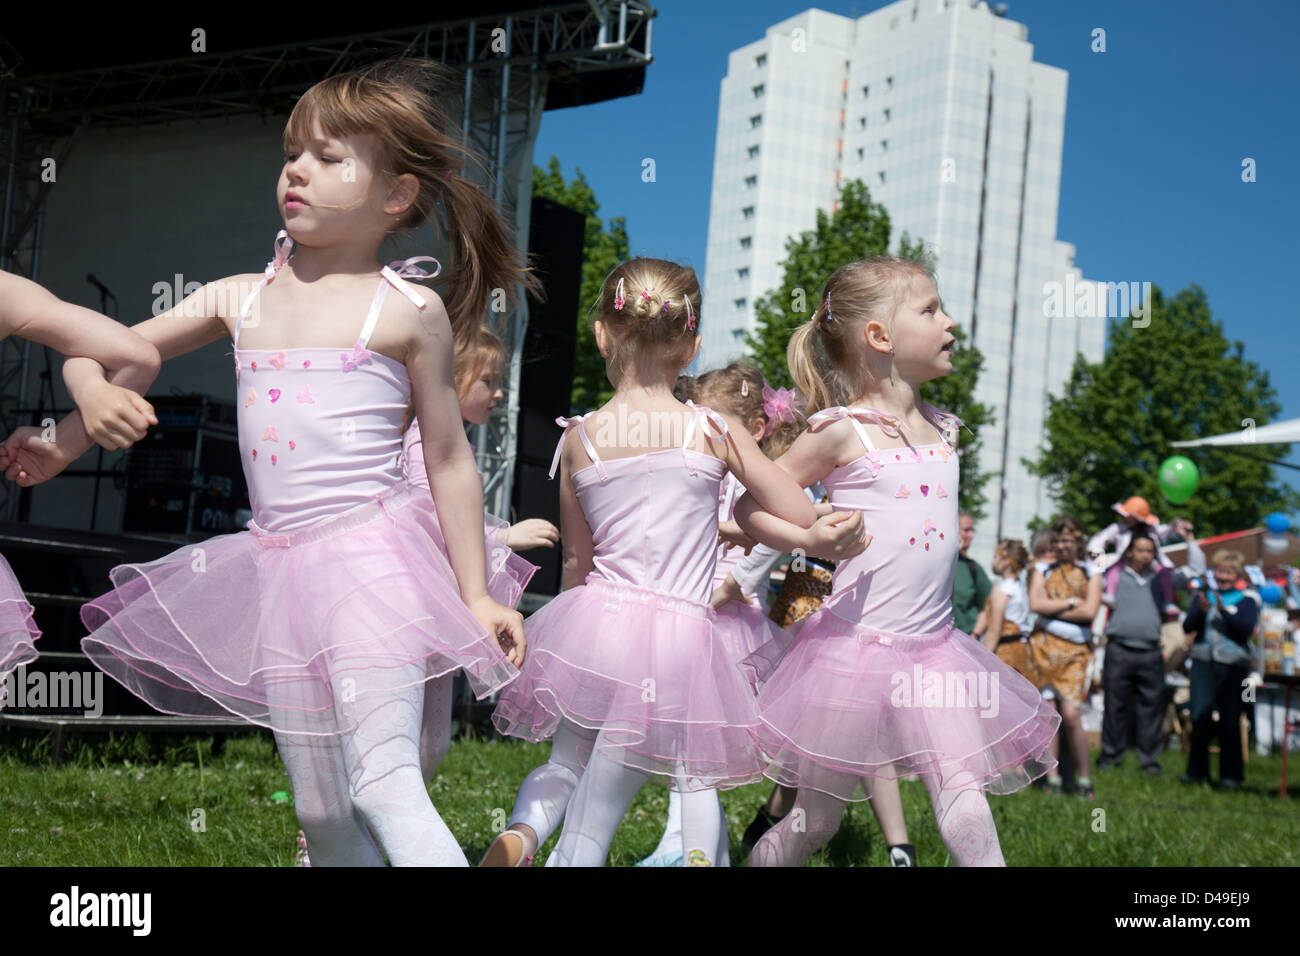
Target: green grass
x,y
129,801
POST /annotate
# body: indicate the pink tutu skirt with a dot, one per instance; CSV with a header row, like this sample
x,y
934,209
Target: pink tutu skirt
x,y
745,629
846,702
507,573
296,631
18,629
653,672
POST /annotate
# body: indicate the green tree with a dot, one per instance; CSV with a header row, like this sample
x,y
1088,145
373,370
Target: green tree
x,y
859,228
1178,378
604,247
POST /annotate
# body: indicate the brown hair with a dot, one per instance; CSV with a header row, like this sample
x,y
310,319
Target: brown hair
x,y
736,389
1068,525
396,101
475,356
1013,550
1233,559
654,314
867,289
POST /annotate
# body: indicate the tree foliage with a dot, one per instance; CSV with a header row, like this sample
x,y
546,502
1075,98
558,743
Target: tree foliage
x,y
857,229
1178,378
604,247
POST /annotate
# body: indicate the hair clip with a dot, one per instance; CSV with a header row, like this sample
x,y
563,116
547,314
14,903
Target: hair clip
x,y
779,405
619,301
645,295
744,387
690,314
829,317
668,304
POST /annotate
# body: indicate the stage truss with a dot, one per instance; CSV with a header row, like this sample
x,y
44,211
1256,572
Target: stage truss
x,y
507,60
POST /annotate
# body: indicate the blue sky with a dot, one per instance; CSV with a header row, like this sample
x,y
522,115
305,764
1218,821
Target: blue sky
x,y
1155,132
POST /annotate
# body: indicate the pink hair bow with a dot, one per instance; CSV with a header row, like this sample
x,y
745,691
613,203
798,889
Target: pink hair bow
x,y
779,404
283,246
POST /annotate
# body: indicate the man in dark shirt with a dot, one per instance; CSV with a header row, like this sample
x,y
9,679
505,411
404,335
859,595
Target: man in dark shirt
x,y
970,585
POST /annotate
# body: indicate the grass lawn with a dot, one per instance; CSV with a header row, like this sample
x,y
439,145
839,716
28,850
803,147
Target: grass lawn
x,y
130,801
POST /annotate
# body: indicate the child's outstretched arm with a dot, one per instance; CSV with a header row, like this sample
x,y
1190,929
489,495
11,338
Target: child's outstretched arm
x,y
770,484
453,477
835,536
205,316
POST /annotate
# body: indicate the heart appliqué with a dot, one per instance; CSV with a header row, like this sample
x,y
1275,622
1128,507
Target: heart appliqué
x,y
925,489
273,460
292,444
274,395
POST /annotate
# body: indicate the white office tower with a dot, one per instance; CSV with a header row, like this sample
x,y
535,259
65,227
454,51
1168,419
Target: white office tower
x,y
938,107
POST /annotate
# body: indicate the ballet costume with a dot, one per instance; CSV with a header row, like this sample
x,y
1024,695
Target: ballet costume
x,y
507,576
18,630
748,627
324,620
632,674
879,683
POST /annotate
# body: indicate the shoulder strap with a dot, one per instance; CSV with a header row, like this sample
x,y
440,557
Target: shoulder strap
x,y
283,246
711,417
567,424
392,274
888,423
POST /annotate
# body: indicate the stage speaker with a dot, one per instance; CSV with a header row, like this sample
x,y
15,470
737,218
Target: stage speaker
x,y
555,241
185,478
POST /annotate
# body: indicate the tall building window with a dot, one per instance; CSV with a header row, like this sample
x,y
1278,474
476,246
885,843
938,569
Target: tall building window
x,y
862,122
760,60
866,90
861,153
889,82
756,121
757,90
746,242
742,273
753,152
748,212
882,175
751,182
884,145
738,335
740,303
886,114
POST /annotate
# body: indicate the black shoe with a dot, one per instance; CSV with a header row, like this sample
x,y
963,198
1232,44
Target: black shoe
x,y
763,821
1154,769
902,854
1086,790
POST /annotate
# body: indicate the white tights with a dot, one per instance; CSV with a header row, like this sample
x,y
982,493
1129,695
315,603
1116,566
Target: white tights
x,y
965,824
371,782
604,792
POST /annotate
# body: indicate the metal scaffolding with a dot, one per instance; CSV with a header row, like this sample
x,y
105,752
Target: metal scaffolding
x,y
511,64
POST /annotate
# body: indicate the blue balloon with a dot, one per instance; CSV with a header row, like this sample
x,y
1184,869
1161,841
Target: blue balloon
x,y
1277,523
1270,594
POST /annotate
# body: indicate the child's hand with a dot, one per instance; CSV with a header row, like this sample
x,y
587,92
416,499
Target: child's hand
x,y
838,536
533,533
505,624
115,417
728,590
729,533
27,458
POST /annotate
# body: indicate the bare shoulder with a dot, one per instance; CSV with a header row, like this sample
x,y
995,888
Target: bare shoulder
x,y
405,327
834,441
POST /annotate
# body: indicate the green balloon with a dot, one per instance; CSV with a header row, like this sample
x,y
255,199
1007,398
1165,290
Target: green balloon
x,y
1178,478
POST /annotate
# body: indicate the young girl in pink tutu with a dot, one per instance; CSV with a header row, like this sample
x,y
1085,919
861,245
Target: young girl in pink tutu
x,y
326,618
878,683
631,670
113,415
